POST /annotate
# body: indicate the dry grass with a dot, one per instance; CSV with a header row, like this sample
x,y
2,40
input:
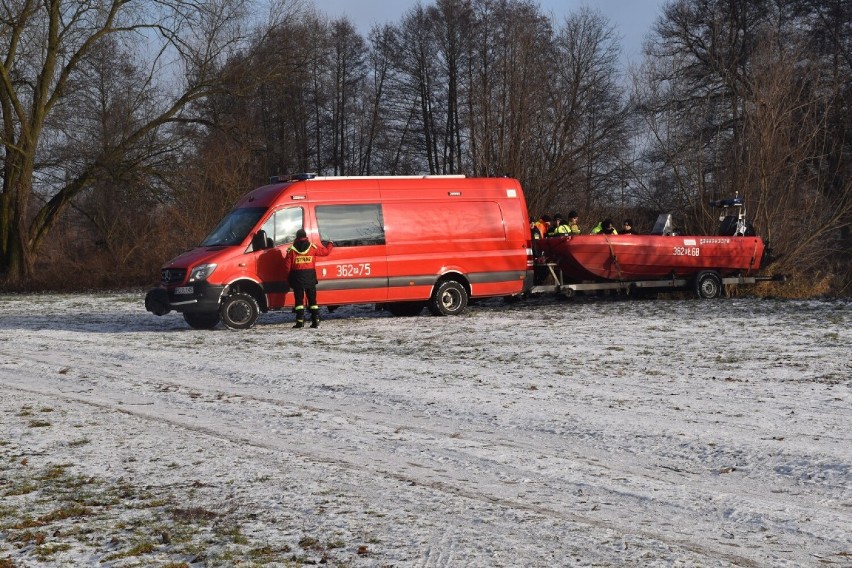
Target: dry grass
x,y
51,511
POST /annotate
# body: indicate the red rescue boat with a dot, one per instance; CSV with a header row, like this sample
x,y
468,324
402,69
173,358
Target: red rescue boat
x,y
641,257
662,258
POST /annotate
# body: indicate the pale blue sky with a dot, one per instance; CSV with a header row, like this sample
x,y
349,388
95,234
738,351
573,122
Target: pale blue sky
x,y
632,19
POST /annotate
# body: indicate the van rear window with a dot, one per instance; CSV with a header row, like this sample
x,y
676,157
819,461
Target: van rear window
x,y
351,225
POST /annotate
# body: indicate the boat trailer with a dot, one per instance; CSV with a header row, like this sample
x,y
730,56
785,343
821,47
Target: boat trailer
x,y
698,282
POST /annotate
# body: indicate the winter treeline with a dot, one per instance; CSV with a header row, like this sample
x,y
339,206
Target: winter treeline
x,y
130,130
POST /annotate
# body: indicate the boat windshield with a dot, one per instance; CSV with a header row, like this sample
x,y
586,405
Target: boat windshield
x,y
235,227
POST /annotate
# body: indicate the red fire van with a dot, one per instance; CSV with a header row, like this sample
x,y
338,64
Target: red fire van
x,y
402,242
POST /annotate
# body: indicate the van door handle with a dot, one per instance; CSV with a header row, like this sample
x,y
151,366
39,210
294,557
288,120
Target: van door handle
x,y
241,264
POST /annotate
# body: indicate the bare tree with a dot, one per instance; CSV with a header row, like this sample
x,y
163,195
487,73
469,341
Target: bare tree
x,y
509,65
45,44
703,50
753,98
675,167
347,83
451,21
588,136
106,97
376,154
419,81
799,202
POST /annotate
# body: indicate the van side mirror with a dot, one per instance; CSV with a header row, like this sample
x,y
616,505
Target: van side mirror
x,y
259,240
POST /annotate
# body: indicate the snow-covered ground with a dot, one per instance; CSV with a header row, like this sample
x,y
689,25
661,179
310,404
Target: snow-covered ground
x,y
545,433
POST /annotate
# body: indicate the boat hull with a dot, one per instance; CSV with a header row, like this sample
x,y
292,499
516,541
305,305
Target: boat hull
x,y
640,257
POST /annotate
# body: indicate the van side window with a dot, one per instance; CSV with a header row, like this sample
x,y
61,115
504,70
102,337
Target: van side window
x,y
351,225
283,224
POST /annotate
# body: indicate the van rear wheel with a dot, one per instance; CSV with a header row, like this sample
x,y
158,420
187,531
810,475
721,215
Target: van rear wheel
x,y
239,311
448,299
201,320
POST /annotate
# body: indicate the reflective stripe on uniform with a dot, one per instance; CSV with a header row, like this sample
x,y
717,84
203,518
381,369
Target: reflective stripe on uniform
x,y
294,249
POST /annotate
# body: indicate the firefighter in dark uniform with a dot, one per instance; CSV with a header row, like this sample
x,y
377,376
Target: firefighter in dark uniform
x,y
300,267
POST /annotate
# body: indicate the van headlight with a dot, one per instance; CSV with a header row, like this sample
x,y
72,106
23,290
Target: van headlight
x,y
201,272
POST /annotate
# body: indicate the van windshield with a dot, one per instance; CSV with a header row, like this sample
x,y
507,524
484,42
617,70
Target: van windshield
x,y
235,227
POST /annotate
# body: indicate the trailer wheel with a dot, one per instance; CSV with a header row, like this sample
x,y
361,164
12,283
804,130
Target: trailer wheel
x,y
448,299
708,285
404,309
239,311
201,320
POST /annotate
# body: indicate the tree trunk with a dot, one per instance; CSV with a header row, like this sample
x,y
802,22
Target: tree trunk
x,y
16,265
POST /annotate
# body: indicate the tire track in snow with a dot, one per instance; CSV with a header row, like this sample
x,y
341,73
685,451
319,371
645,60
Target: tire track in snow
x,y
349,418
610,465
310,451
439,551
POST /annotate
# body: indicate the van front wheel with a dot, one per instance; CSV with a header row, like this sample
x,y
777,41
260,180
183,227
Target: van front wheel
x,y
448,299
239,311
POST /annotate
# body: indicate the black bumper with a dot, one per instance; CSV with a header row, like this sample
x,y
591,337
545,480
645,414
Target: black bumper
x,y
204,298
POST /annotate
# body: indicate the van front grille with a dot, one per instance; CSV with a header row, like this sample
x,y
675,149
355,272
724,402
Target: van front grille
x,y
173,275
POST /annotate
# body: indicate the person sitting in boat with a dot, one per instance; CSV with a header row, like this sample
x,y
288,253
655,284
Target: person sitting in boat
x,y
606,227
573,227
542,226
627,227
564,228
554,226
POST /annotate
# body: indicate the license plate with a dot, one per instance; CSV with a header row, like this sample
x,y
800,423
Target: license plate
x,y
183,290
